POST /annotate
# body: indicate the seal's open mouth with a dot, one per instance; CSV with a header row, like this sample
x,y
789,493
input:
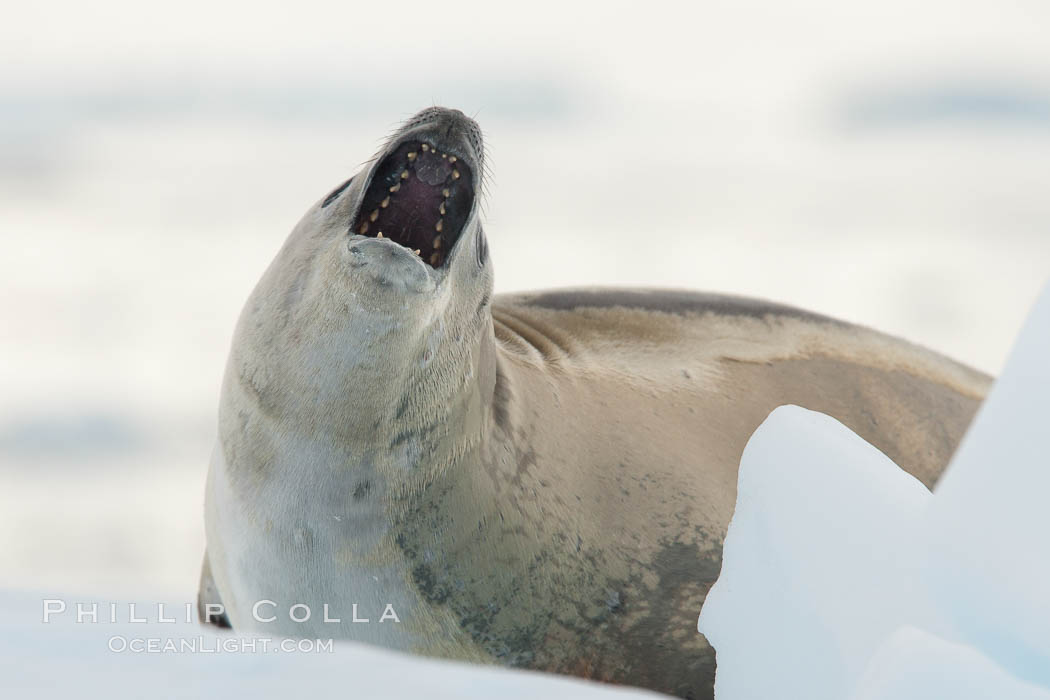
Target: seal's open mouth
x,y
420,197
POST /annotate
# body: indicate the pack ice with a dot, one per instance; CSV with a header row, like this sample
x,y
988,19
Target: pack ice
x,y
844,577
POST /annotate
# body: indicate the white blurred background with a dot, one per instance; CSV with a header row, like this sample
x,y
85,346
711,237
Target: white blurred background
x,y
885,162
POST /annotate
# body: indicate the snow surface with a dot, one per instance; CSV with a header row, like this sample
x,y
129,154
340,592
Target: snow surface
x,y
62,659
844,577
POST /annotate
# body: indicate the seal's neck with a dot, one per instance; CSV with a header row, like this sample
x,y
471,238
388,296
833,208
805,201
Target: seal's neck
x,y
401,386
407,396
434,409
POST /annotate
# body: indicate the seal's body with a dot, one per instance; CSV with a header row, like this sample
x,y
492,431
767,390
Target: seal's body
x,y
539,480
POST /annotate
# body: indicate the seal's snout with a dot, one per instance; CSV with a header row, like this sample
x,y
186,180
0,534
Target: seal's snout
x,y
451,127
422,190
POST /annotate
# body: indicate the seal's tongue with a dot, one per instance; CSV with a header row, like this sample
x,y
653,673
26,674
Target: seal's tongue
x,y
420,198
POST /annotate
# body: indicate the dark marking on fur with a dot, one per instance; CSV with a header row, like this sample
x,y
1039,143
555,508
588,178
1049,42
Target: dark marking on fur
x,y
501,399
362,489
402,407
483,304
669,611
482,248
671,301
427,583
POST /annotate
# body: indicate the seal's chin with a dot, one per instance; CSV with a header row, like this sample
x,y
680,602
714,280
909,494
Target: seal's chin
x,y
420,197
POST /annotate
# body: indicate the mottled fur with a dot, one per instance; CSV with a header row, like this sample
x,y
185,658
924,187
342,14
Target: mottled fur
x,y
539,480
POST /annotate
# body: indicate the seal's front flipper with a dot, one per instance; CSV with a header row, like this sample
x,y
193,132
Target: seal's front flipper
x,y
210,609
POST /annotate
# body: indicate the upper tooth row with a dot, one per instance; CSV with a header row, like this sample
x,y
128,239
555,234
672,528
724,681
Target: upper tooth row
x,y
427,147
363,229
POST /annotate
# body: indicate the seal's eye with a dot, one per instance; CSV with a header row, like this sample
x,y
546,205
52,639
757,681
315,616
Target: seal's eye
x,y
335,193
420,197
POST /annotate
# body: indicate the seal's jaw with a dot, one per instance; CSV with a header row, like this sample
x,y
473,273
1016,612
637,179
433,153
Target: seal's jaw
x,y
420,196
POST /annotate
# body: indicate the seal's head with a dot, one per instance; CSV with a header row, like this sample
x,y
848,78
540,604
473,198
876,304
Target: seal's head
x,y
381,289
411,216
